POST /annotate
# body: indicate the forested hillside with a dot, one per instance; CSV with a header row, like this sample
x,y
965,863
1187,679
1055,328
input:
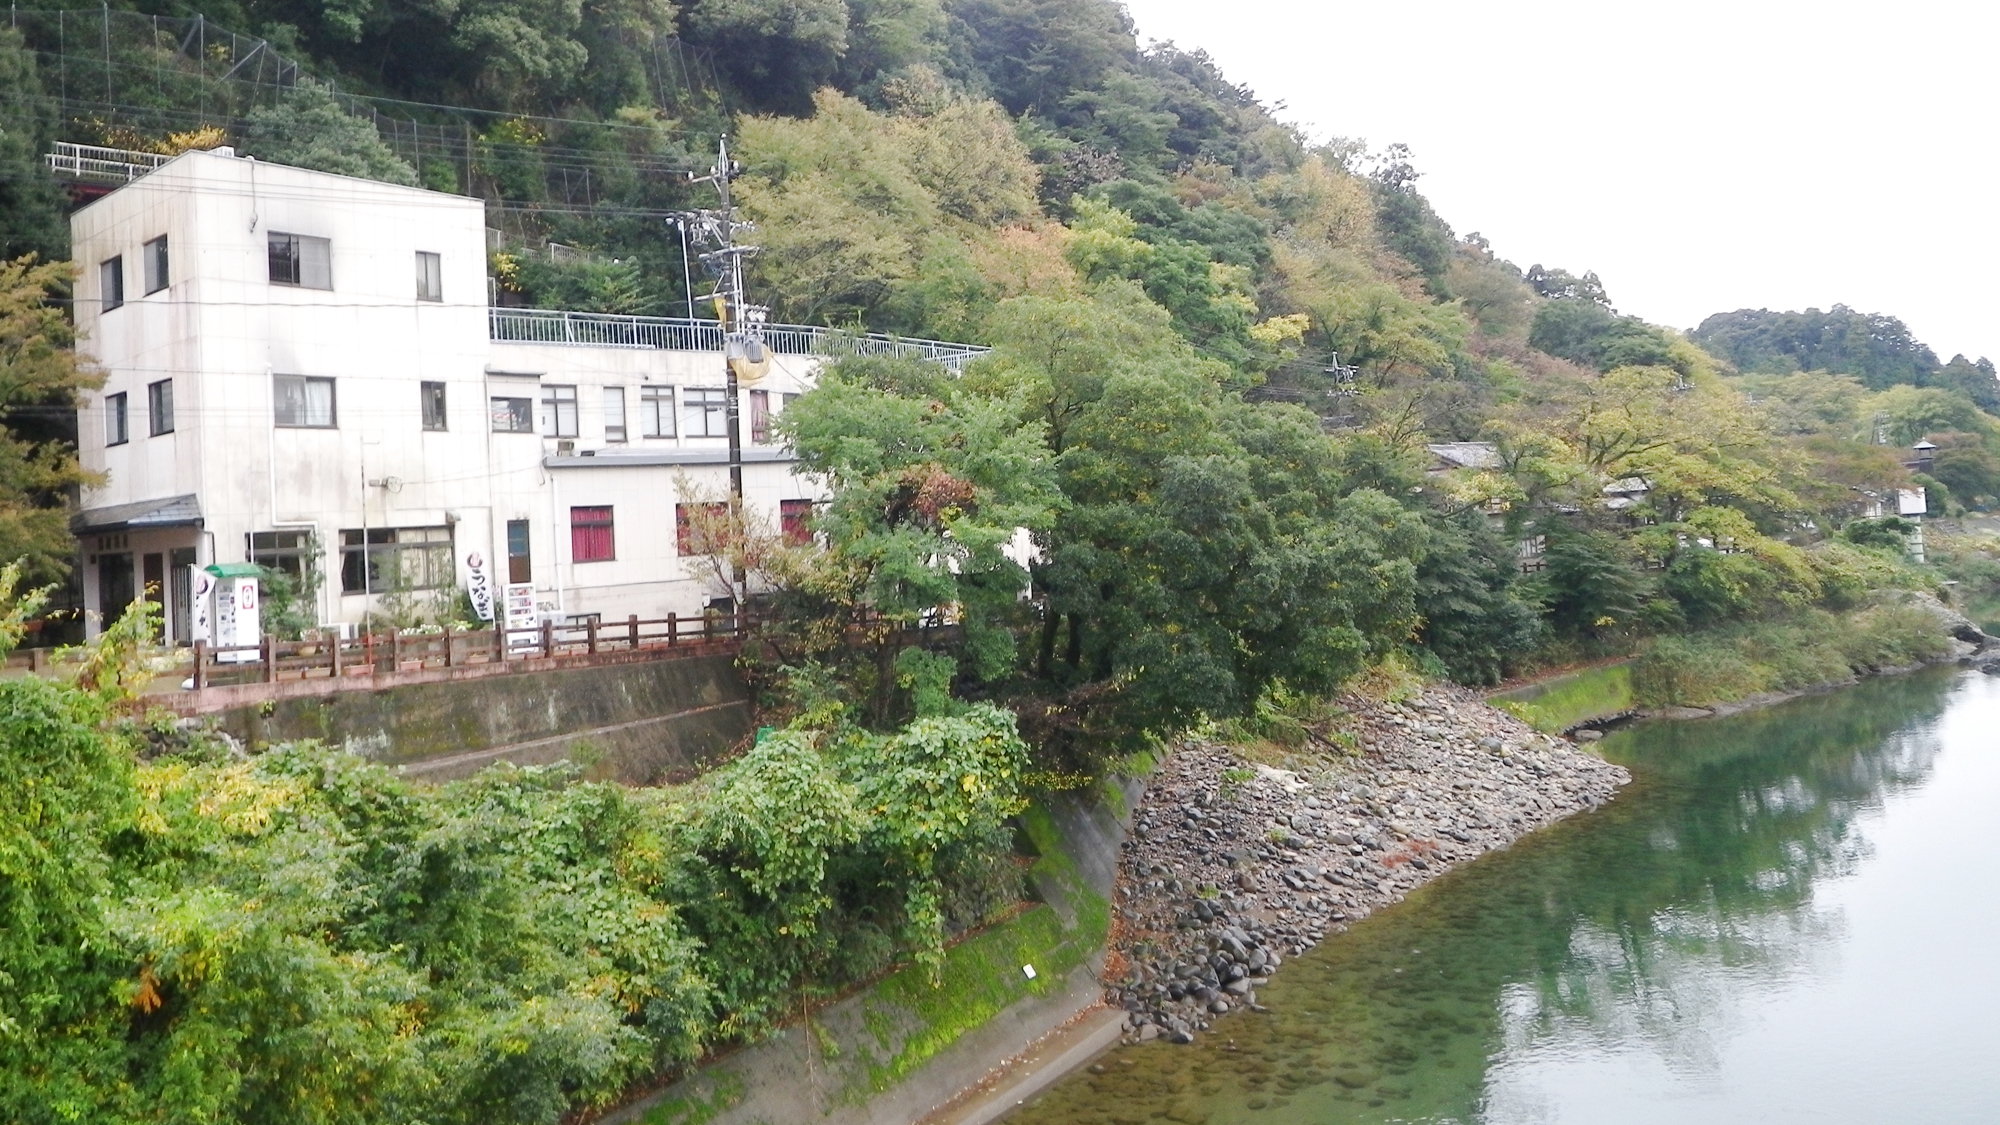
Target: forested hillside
x,y
1222,352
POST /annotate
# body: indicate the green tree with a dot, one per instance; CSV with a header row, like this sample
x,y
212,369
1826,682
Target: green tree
x,y
309,129
32,210
41,375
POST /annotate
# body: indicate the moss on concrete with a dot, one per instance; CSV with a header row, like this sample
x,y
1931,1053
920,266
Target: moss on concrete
x,y
1565,701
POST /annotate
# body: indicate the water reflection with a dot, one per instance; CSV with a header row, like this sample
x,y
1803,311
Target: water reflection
x,y
1635,940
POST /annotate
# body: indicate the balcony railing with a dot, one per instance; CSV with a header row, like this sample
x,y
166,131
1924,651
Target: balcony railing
x,y
608,330
98,164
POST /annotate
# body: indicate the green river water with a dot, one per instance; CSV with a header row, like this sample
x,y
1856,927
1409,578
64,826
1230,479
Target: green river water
x,y
1788,916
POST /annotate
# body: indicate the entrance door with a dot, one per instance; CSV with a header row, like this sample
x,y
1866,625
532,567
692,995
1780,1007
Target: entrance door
x,y
180,607
115,588
518,567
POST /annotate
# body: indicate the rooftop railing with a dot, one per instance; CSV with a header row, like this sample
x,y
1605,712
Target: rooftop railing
x,y
609,330
98,164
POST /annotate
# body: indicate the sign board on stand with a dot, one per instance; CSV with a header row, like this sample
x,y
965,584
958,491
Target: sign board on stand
x,y
522,615
201,622
478,586
237,612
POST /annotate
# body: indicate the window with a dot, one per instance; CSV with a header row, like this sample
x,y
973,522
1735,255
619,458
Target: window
x,y
395,558
156,264
430,276
111,282
115,432
302,260
160,407
558,410
704,412
656,411
303,401
698,528
590,538
794,518
614,414
289,551
513,416
432,395
760,416
520,567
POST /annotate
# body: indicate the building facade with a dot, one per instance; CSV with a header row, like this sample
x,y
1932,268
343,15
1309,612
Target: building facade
x,y
302,370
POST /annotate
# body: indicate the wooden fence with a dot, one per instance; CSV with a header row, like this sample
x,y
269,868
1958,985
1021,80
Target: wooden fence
x,y
387,654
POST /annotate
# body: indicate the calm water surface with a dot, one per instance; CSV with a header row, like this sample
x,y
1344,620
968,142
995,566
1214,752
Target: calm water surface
x,y
1787,917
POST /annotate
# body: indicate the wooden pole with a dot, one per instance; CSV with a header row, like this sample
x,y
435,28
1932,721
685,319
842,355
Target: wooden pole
x,y
270,655
590,634
447,646
200,665
632,631
673,629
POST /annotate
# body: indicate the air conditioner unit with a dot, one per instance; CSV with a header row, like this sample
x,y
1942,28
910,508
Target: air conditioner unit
x,y
565,449
342,629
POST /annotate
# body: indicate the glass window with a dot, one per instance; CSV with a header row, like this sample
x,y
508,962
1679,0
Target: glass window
x,y
656,411
302,260
156,264
115,431
111,282
160,407
590,538
303,401
701,529
558,410
704,412
513,416
430,276
432,395
614,414
395,558
794,518
760,416
288,551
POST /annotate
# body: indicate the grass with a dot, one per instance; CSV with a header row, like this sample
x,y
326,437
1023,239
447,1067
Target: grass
x,y
1565,701
1809,650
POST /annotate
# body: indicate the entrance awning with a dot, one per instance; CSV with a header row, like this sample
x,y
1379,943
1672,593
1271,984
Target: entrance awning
x,y
141,515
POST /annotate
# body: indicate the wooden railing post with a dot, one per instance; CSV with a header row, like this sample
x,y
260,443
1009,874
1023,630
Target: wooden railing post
x,y
707,627
200,665
338,643
673,629
632,631
548,637
270,655
447,646
499,640
590,634
395,651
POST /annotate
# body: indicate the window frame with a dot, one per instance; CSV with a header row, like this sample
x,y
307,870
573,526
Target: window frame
x,y
117,419
160,407
157,262
111,283
430,276
292,552
713,406
684,532
305,383
615,434
583,545
303,272
438,421
557,396
366,548
651,417
795,522
521,419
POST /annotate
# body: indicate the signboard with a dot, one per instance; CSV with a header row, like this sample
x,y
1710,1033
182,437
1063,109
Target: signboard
x,y
236,618
1911,502
522,614
201,587
478,586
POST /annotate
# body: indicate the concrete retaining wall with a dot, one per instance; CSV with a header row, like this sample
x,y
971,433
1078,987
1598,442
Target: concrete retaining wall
x,y
641,722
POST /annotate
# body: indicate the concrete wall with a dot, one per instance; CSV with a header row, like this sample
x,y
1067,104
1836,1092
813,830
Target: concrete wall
x,y
639,723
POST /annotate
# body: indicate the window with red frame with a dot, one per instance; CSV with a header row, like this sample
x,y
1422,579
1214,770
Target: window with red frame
x,y
714,520
792,517
590,535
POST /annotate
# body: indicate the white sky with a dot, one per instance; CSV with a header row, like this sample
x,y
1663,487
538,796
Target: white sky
x,y
1700,156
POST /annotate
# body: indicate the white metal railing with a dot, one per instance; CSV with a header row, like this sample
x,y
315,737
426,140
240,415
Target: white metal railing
x,y
104,165
609,330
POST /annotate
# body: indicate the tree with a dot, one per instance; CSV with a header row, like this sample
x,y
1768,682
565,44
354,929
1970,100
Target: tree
x,y
32,211
1475,616
41,376
309,129
1878,349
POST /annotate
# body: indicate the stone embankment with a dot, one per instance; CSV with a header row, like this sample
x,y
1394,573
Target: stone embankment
x,y
1233,867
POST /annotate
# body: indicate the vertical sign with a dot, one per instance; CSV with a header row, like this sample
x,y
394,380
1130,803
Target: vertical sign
x,y
478,587
201,587
521,614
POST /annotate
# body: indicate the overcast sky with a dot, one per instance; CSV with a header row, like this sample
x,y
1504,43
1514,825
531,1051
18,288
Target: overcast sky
x,y
1700,155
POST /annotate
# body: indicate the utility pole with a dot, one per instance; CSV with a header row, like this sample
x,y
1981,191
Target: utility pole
x,y
743,351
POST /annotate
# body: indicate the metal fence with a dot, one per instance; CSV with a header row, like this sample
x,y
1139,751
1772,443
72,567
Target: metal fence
x,y
609,330
99,164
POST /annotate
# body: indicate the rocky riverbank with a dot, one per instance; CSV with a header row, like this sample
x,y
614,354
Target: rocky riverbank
x,y
1233,867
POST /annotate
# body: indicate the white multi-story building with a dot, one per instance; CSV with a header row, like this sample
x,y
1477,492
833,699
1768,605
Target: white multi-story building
x,y
303,370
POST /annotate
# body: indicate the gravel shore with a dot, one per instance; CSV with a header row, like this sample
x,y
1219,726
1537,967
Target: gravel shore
x,y
1233,867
